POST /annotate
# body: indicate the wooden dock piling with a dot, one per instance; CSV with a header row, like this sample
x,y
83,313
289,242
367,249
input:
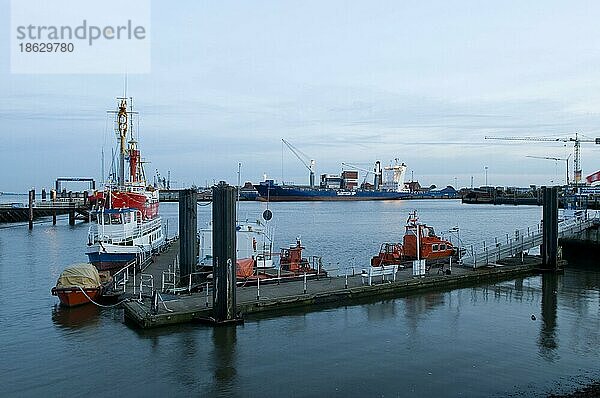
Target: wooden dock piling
x,y
31,202
549,248
188,227
224,255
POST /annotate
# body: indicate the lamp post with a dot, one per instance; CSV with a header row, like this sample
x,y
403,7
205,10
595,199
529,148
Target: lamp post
x,y
457,231
486,181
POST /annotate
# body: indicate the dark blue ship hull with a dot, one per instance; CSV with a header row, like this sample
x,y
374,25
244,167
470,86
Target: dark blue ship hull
x,y
272,192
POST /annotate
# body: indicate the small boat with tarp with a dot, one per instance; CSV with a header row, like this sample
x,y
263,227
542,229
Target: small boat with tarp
x,y
80,284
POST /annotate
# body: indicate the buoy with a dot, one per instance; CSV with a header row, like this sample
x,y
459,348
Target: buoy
x,y
533,318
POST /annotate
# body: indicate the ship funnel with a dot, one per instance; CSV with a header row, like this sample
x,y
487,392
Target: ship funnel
x,y
312,173
377,178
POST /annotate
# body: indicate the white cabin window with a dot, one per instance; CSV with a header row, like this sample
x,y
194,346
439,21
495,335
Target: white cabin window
x,y
434,248
442,247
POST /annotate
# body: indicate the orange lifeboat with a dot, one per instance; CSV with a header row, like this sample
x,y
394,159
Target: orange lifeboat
x,y
431,247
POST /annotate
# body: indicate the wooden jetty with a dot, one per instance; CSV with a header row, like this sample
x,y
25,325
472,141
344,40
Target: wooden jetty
x,y
345,288
229,302
14,212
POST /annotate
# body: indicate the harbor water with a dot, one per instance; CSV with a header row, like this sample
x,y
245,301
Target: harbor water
x,y
525,337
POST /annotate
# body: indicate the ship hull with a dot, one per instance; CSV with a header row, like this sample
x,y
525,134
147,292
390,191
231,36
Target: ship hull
x,y
73,296
276,193
110,261
289,193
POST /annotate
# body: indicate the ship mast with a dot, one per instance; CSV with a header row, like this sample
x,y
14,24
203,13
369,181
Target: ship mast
x,y
122,125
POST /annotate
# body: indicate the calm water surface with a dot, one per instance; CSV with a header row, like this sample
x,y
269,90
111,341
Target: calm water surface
x,y
469,342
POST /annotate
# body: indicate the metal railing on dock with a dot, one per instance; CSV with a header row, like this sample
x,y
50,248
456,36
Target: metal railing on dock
x,y
522,240
128,273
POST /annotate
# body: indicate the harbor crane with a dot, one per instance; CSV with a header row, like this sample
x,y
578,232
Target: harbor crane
x,y
566,160
353,167
577,148
357,168
377,173
304,159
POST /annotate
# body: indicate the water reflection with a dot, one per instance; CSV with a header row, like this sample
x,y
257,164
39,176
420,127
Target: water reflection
x,y
223,359
416,307
381,310
547,341
76,317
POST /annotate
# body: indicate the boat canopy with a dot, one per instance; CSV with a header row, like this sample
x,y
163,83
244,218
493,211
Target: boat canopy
x,y
84,275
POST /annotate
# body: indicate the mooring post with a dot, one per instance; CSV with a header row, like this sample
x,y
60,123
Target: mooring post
x,y
224,255
31,201
188,228
549,249
206,295
257,289
305,282
53,199
71,216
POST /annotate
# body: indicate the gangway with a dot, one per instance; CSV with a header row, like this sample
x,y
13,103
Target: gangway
x,y
510,245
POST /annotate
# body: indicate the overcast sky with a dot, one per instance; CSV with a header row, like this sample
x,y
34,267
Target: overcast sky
x,y
344,81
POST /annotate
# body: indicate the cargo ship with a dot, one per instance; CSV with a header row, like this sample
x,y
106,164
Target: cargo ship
x,y
388,184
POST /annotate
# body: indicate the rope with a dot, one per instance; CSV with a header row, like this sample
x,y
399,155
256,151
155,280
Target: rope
x,y
98,304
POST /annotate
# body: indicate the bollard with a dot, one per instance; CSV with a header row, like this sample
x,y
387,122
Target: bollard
x,y
258,289
154,305
346,276
206,294
305,283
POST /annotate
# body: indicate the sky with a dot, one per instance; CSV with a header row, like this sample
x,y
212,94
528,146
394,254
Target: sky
x,y
343,81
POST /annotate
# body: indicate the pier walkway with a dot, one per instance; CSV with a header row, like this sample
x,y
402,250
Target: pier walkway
x,y
17,212
340,287
510,245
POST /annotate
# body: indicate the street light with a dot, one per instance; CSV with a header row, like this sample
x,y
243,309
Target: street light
x,y
486,182
457,231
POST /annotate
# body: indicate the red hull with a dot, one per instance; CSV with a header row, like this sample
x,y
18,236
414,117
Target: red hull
x,y
73,296
129,200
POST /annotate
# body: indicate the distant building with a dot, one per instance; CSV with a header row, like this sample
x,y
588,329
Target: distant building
x,y
413,186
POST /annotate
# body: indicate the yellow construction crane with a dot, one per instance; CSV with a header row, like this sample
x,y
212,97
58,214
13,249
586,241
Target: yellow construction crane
x,y
577,145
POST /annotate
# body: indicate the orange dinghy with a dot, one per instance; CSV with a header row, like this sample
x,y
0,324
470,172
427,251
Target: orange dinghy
x,y
77,284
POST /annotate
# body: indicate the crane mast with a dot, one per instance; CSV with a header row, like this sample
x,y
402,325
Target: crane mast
x,y
577,148
305,160
566,160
